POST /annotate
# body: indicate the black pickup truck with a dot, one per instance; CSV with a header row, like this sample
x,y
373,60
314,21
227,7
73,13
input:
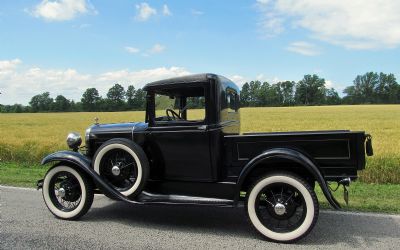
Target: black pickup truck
x,y
189,151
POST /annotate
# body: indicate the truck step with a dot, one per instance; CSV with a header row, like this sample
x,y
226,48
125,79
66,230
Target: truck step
x,y
151,198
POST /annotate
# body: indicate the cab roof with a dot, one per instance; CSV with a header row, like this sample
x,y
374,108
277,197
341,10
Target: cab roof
x,y
197,78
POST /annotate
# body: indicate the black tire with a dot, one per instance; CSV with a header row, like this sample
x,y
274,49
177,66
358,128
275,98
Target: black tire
x,y
78,187
134,163
276,199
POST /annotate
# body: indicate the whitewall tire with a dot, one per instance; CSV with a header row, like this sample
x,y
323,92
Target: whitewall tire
x,y
123,164
282,207
67,193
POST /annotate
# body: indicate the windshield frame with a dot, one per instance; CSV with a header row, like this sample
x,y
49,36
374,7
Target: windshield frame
x,y
151,105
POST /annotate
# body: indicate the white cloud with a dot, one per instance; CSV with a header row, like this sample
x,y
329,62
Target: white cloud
x,y
23,82
329,84
8,66
240,80
337,86
304,48
166,11
356,24
144,11
197,12
157,48
61,10
142,76
132,50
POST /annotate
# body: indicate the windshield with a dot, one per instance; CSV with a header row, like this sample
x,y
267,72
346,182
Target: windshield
x,y
183,104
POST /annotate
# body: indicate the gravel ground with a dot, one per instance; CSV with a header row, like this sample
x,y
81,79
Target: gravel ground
x,y
25,223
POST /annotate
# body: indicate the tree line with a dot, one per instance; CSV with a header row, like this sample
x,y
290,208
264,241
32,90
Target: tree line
x,y
369,88
117,99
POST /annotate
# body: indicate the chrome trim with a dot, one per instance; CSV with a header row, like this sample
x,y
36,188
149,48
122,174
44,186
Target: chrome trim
x,y
87,136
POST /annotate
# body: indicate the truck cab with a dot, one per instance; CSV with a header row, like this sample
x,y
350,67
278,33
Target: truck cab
x,y
189,134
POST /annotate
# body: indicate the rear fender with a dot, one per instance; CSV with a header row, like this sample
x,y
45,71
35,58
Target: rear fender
x,y
292,155
83,163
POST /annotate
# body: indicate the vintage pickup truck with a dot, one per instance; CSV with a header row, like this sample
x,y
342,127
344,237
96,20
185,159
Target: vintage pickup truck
x,y
190,151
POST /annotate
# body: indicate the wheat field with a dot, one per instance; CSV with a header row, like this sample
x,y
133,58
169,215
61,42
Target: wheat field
x,y
26,138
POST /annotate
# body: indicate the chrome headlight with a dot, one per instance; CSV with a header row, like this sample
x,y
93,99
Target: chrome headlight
x,y
74,140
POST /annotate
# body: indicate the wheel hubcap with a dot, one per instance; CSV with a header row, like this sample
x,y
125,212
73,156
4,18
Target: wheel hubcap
x,y
280,209
115,170
61,192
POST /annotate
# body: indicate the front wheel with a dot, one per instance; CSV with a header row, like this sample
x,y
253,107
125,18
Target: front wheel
x,y
67,192
282,207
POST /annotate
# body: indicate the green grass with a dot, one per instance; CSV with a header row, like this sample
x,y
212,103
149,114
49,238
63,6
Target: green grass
x,y
384,198
21,175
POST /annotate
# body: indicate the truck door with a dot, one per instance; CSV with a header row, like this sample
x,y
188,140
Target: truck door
x,y
179,136
184,152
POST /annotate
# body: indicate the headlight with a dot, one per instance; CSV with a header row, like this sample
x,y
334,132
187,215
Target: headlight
x,y
74,140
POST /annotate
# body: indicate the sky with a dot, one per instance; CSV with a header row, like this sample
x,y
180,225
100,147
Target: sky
x,y
67,46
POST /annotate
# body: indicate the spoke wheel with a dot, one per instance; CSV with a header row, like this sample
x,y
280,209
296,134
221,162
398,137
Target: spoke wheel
x,y
119,168
67,193
123,164
282,207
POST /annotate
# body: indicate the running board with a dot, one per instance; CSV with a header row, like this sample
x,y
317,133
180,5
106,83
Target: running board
x,y
150,198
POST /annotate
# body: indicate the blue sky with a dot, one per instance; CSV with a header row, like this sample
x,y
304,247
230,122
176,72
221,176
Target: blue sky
x,y
67,46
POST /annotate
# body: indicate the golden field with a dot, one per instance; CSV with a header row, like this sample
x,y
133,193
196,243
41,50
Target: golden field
x,y
26,138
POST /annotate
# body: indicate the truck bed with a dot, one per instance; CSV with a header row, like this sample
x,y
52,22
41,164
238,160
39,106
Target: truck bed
x,y
337,153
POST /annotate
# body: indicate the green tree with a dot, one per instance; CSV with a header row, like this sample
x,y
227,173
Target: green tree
x,y
287,88
42,102
269,95
139,100
90,100
245,95
332,97
116,97
130,96
310,90
61,104
364,87
386,90
255,97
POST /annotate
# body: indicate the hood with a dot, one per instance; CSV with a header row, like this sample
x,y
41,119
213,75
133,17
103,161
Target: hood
x,y
116,129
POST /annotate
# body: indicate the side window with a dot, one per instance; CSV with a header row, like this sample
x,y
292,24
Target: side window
x,y
232,101
196,108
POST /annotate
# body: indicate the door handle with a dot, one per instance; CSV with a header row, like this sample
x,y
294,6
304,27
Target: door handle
x,y
202,127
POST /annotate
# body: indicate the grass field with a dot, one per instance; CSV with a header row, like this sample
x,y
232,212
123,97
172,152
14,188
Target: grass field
x,y
26,138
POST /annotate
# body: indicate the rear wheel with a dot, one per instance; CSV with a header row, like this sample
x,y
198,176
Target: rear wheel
x,y
67,192
282,207
123,164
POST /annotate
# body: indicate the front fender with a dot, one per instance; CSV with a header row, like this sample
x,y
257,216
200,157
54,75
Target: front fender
x,y
292,155
82,162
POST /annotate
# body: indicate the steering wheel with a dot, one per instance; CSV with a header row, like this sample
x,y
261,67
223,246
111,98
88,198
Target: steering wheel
x,y
174,115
